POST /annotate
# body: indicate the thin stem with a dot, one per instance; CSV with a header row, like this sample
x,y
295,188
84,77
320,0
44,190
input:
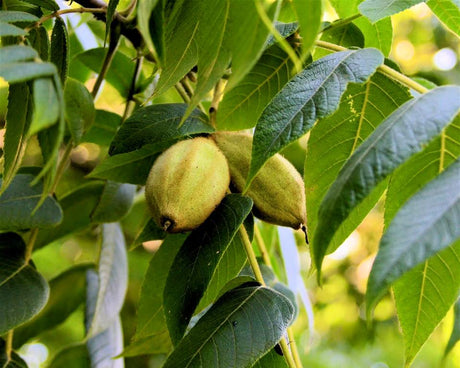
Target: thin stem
x,y
58,13
182,92
9,345
258,274
287,354
263,249
30,244
283,43
218,91
341,22
189,90
293,346
62,165
384,69
132,88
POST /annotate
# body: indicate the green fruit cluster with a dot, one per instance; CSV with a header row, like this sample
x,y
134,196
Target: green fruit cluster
x,y
189,180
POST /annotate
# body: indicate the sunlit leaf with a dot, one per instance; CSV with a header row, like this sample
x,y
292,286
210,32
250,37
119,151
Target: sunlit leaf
x,y
11,16
455,335
448,12
74,356
309,14
378,9
7,29
16,53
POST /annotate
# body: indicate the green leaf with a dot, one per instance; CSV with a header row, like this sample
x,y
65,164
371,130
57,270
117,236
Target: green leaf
x,y
104,347
46,110
241,107
17,124
435,227
448,12
111,7
154,344
313,94
38,38
151,320
79,108
12,361
63,301
157,123
23,291
120,72
131,167
46,4
22,72
144,13
75,356
7,29
333,139
424,295
16,53
347,35
115,202
17,204
238,329
404,133
11,16
200,255
106,290
76,212
309,14
104,128
455,335
379,9
181,53
60,48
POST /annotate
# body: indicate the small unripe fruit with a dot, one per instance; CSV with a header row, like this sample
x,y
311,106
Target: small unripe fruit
x,y
277,190
186,183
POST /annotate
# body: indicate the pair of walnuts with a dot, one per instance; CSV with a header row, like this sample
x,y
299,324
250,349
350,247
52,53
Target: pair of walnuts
x,y
189,180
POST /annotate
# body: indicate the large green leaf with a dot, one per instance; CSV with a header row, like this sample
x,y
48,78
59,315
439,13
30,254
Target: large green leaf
x,y
23,291
7,29
144,12
241,107
455,335
236,331
379,9
155,124
313,94
39,40
131,167
115,202
16,53
448,11
404,133
59,48
335,138
151,320
79,108
17,125
424,296
272,359
46,4
11,361
200,255
77,207
61,304
105,299
435,227
46,110
18,202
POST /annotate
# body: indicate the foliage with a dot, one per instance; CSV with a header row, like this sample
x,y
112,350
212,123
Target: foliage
x,y
184,69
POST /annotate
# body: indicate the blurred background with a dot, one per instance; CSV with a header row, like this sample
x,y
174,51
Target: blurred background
x,y
339,335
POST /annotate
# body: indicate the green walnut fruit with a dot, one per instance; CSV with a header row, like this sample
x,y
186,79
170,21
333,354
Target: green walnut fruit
x,y
186,183
277,190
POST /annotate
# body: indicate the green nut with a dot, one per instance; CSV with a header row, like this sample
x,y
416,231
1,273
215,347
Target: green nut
x,y
277,190
186,183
